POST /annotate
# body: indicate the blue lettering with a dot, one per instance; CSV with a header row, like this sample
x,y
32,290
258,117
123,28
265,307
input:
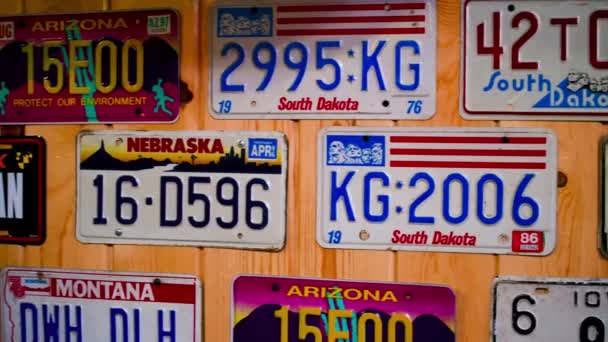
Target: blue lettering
x,y
413,67
166,333
371,61
23,309
51,323
73,329
322,61
124,318
490,84
380,198
341,191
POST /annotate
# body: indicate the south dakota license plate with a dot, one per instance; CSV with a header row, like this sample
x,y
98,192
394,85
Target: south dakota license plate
x,y
279,309
475,190
114,66
199,188
351,59
535,60
45,304
553,309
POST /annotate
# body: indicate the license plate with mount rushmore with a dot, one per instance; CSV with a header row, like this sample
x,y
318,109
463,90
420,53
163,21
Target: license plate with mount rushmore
x,y
195,188
471,190
535,60
319,60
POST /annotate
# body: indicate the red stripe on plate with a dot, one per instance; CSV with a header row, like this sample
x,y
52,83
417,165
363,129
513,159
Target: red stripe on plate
x,y
466,165
342,20
465,152
358,7
357,31
469,140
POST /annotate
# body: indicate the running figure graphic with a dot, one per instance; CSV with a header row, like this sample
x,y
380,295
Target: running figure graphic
x,y
4,91
161,98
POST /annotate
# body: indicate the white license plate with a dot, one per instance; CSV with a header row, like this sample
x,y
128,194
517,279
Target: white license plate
x,y
475,190
553,309
45,304
321,60
197,188
535,60
603,228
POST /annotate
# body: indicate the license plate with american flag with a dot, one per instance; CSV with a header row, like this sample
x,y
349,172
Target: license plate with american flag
x,y
472,190
320,60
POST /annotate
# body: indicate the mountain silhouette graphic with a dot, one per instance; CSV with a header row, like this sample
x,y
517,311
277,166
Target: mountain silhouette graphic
x,y
262,326
102,160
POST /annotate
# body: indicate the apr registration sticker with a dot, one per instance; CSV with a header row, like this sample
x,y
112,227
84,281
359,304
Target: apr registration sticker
x,y
105,67
22,190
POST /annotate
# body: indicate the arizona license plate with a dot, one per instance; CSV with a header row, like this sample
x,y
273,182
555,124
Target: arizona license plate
x,y
603,229
45,304
199,188
349,59
475,190
535,60
113,66
552,309
22,190
277,309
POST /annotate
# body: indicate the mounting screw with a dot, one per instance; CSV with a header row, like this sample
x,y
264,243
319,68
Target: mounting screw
x,y
156,281
118,232
241,143
363,235
562,179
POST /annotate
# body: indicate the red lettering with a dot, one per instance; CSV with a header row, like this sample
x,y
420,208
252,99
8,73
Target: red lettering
x,y
132,144
217,146
144,145
191,145
166,145
2,165
495,50
396,234
203,145
593,39
563,36
533,19
179,146
154,145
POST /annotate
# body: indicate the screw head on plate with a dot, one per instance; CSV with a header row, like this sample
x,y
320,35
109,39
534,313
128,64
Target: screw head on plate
x,y
363,235
118,232
241,143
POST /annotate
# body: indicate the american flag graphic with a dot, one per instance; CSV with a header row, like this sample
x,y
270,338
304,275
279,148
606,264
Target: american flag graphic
x,y
351,19
468,152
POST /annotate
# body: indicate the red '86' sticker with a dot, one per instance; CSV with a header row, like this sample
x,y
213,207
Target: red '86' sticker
x,y
528,241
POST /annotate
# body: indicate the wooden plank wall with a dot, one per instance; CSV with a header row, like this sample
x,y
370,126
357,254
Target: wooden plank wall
x,y
469,275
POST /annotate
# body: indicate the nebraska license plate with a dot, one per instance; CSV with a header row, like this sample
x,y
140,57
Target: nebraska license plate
x,y
535,60
552,309
45,304
278,309
22,190
475,190
114,66
198,188
319,60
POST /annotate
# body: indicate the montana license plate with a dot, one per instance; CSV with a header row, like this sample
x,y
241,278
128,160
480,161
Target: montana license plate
x,y
113,66
535,60
198,188
475,190
318,60
278,309
22,190
45,304
552,309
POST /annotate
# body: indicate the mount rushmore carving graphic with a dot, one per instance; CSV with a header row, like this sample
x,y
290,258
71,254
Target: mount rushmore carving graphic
x,y
355,150
245,22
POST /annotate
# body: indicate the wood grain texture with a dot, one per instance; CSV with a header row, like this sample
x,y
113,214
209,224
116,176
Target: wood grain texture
x,y
469,275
